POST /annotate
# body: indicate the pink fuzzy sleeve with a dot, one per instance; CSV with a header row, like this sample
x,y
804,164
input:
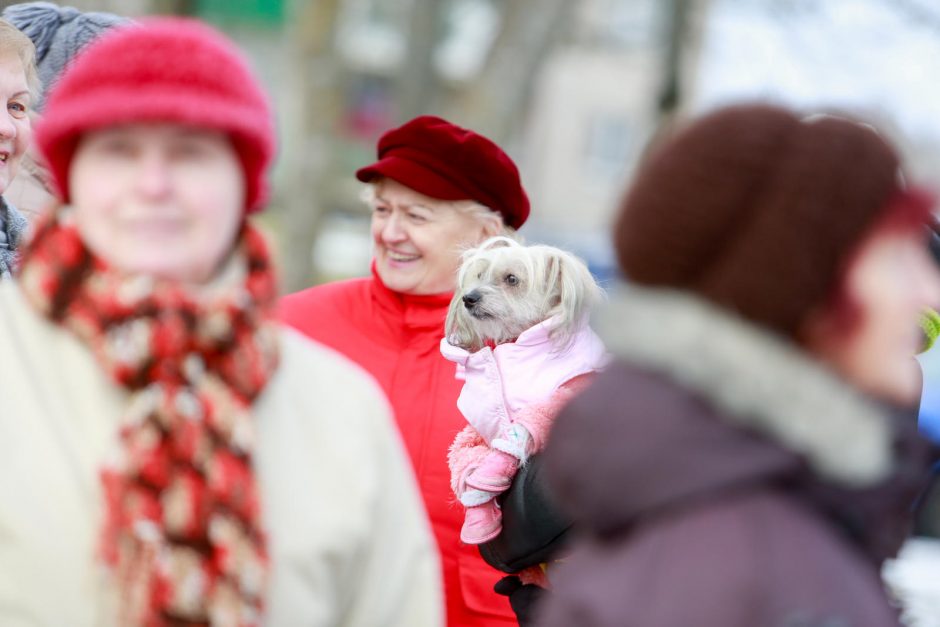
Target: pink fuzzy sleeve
x,y
465,454
538,418
469,448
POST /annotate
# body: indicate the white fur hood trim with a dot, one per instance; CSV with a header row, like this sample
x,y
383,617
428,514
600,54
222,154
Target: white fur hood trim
x,y
758,380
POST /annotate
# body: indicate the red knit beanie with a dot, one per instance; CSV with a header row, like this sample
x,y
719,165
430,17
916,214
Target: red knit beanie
x,y
165,70
757,210
442,160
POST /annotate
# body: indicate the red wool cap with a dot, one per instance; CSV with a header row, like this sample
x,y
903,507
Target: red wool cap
x,y
442,160
164,70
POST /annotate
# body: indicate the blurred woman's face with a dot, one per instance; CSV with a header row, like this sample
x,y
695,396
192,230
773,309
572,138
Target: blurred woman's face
x,y
158,199
15,127
418,239
892,280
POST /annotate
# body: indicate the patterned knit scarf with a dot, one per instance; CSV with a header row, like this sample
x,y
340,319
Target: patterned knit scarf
x,y
182,527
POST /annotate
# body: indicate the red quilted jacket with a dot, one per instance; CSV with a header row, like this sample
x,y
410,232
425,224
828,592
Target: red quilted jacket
x,y
396,338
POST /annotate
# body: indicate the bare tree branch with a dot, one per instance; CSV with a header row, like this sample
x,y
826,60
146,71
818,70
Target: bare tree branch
x,y
495,101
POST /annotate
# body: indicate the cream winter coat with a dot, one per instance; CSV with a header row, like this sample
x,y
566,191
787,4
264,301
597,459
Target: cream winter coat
x,y
348,537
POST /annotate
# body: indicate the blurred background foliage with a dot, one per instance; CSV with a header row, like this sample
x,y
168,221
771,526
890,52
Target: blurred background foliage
x,y
574,90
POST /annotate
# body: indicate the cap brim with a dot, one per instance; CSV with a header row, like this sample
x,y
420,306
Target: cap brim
x,y
414,175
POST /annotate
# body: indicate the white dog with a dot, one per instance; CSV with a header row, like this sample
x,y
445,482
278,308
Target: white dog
x,y
518,330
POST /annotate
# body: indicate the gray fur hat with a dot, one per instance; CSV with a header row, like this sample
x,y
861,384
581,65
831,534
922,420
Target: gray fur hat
x,y
58,33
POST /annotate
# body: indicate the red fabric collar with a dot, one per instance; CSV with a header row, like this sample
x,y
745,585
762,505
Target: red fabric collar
x,y
418,312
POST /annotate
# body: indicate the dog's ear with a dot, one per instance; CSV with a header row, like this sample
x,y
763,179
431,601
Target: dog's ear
x,y
451,323
498,241
573,288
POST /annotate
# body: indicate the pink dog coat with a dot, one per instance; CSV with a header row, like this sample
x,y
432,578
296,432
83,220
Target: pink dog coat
x,y
499,383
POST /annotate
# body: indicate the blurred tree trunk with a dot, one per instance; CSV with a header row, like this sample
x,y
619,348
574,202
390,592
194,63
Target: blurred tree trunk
x,y
417,84
495,102
684,22
677,26
319,79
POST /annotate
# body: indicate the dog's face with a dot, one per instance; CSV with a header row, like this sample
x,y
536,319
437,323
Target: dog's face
x,y
505,288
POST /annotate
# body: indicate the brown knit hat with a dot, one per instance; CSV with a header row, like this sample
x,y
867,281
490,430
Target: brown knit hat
x,y
756,210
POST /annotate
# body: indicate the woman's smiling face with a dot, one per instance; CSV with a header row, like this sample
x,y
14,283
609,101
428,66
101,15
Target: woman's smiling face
x,y
418,239
15,127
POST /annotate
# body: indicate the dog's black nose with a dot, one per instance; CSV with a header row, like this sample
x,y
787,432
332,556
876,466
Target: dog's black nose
x,y
471,298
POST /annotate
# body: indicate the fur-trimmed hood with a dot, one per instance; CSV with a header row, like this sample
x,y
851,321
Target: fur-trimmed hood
x,y
699,402
757,380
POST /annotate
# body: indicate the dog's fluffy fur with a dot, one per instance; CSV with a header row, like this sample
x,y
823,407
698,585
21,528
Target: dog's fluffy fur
x,y
504,288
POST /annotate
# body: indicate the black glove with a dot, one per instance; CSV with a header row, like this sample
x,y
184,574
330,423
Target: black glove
x,y
534,531
524,599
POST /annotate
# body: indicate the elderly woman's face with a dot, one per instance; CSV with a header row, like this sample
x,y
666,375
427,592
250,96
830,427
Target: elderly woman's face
x,y
158,199
418,240
15,129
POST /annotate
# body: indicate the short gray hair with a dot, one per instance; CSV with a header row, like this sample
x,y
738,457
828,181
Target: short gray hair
x,y
478,211
13,41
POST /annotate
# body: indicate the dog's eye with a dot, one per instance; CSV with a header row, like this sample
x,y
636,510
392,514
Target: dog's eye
x,y
479,276
511,279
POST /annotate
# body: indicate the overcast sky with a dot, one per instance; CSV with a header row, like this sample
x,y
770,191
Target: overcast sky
x,y
873,54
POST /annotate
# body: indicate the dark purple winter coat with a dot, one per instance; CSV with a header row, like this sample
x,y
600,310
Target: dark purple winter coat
x,y
721,478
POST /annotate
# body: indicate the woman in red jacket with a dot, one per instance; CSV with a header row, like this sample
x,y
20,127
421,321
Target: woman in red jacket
x,y
435,190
